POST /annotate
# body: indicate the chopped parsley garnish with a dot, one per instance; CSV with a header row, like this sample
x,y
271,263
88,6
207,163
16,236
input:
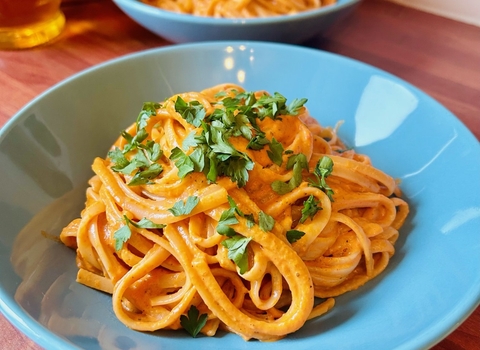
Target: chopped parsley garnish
x,y
297,162
184,208
144,163
193,322
124,233
193,112
276,151
183,162
258,142
275,105
265,221
226,219
323,169
237,251
249,217
235,116
149,109
294,235
310,208
235,243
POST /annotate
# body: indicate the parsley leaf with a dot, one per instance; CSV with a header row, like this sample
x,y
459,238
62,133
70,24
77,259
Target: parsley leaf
x,y
124,233
148,109
227,218
184,208
182,162
297,162
121,236
118,158
249,217
194,322
295,106
274,105
270,105
134,141
237,169
147,154
266,222
190,140
193,112
310,208
294,235
323,169
146,170
275,152
146,223
152,150
237,251
145,176
258,141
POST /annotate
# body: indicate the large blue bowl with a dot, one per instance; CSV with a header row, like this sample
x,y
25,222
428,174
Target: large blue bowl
x,y
182,28
431,285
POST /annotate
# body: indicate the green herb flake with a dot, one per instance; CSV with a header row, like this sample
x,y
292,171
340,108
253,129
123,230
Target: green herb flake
x,y
258,142
184,208
190,140
193,322
148,224
275,153
118,158
183,162
310,208
148,109
322,170
237,251
297,162
294,235
143,177
294,107
193,112
266,222
226,219
249,217
124,233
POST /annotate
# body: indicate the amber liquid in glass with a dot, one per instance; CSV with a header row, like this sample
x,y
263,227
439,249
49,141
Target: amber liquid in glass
x,y
28,23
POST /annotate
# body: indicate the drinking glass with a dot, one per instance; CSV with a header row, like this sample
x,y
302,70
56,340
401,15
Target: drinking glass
x,y
28,23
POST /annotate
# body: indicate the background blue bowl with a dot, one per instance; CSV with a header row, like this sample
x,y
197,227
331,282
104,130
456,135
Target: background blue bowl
x,y
182,28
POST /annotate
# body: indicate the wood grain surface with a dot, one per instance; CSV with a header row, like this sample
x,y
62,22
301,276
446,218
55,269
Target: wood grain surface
x,y
438,55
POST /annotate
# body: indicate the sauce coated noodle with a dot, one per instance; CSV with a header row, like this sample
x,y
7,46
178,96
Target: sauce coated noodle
x,y
238,8
157,273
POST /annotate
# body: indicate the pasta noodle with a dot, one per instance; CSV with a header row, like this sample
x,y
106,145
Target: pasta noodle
x,y
232,210
238,8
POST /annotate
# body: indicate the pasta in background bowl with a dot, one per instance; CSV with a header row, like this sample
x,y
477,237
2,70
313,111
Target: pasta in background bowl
x,y
430,285
178,27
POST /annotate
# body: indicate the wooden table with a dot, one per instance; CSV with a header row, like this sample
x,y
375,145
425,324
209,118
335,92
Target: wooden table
x,y
440,56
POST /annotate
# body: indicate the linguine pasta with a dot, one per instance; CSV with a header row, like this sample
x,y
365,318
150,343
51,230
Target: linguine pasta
x,y
238,8
232,210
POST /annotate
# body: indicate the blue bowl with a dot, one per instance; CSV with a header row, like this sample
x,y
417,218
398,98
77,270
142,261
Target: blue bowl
x,y
46,150
182,28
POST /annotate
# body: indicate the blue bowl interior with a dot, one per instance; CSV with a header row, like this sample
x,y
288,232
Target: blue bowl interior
x,y
46,151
